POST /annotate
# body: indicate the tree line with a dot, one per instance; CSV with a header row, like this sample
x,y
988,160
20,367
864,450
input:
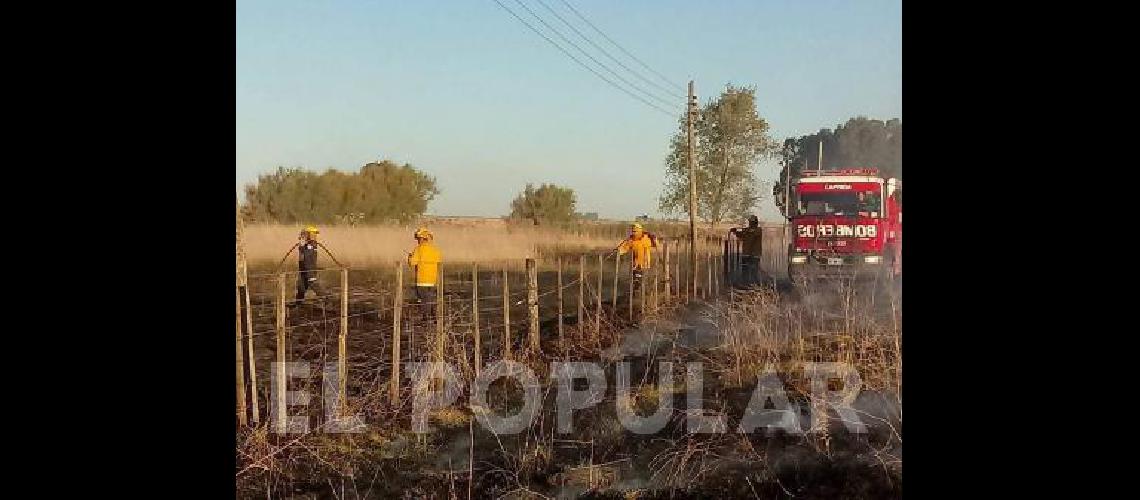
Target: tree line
x,y
380,192
732,138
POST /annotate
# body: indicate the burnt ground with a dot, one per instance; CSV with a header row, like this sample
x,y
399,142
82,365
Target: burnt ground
x,y
599,459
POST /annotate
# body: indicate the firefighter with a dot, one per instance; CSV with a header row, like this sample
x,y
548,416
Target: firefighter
x,y
424,260
752,242
641,243
306,247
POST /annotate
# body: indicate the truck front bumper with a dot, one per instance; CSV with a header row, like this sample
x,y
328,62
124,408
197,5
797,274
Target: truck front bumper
x,y
837,266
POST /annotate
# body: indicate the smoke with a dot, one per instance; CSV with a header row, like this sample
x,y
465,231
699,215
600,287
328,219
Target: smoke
x,y
861,142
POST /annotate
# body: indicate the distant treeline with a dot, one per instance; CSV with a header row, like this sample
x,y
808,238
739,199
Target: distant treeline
x,y
378,193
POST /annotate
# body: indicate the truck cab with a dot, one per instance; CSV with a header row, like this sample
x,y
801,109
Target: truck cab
x,y
844,223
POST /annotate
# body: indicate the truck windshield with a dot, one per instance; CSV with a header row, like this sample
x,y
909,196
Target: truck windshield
x,y
867,203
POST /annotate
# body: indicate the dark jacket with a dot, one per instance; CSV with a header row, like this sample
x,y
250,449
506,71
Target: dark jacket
x,y
307,256
752,239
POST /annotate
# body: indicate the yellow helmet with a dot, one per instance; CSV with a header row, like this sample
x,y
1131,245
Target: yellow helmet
x,y
423,233
311,230
636,227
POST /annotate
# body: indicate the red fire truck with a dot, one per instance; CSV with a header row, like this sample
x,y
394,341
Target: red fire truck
x,y
844,223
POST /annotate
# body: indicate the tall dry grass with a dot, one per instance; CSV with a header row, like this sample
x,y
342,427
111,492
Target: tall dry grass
x,y
374,246
858,325
377,246
836,321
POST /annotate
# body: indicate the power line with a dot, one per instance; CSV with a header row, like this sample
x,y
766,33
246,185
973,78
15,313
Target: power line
x,y
571,56
646,66
587,54
604,51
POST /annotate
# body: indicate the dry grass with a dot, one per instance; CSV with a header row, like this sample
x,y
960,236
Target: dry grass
x,y
376,246
450,417
754,329
837,322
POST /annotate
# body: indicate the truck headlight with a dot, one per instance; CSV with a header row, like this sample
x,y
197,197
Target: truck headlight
x,y
799,259
873,259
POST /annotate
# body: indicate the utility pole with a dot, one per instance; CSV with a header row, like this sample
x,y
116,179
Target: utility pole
x,y
691,118
819,163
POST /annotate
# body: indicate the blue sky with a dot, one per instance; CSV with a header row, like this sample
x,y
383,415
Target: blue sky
x,y
463,91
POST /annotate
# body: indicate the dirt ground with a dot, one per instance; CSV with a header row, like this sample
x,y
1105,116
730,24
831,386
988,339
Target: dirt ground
x,y
600,459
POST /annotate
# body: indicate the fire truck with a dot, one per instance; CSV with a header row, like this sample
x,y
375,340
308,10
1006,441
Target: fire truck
x,y
844,223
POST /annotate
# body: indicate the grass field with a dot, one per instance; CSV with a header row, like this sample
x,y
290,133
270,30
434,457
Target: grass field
x,y
736,334
376,246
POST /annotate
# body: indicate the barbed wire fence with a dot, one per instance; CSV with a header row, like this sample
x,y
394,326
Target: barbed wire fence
x,y
368,324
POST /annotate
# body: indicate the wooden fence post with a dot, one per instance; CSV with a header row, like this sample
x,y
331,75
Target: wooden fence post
x,y
694,290
698,291
617,271
242,419
731,261
598,307
280,418
682,283
561,338
475,317
243,297
679,283
730,245
709,280
740,259
437,353
632,298
714,265
730,264
724,262
665,249
342,346
397,312
685,287
655,288
641,285
532,303
506,316
252,359
724,270
581,296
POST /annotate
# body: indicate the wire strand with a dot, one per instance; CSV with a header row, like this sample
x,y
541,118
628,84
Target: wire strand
x,y
587,54
571,56
607,54
639,61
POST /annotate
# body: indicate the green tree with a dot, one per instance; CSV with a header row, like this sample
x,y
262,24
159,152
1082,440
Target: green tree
x,y
548,204
858,143
731,139
382,191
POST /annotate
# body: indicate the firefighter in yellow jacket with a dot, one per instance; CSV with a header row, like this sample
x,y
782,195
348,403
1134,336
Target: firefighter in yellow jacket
x,y
641,243
425,260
